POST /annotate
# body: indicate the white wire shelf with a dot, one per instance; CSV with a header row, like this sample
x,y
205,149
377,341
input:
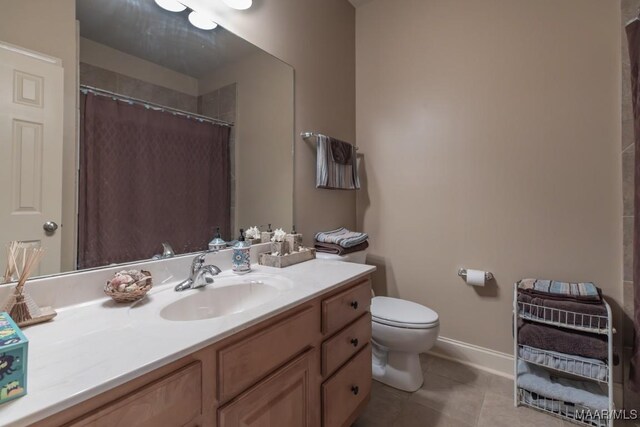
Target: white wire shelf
x,y
564,363
565,410
563,318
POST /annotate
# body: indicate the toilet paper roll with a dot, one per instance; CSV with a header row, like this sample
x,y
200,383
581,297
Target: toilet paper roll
x,y
475,277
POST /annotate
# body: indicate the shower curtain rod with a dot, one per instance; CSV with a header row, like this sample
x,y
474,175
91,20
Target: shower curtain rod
x,y
147,104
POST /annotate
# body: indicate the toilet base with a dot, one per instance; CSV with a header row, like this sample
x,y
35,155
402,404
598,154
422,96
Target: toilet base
x,y
397,369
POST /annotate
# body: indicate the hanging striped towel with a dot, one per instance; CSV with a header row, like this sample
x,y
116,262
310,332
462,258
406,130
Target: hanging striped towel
x,y
336,165
342,237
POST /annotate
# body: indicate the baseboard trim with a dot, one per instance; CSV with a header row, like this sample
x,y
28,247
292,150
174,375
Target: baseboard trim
x,y
482,358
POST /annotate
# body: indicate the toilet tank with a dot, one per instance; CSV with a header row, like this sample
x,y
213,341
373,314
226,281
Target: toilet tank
x,y
359,257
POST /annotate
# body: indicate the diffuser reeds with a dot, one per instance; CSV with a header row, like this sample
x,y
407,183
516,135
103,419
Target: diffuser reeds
x,y
22,261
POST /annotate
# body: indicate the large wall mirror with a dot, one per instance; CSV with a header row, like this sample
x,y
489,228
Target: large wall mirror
x,y
180,131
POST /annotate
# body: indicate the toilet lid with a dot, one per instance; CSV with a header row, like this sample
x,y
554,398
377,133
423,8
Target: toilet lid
x,y
399,312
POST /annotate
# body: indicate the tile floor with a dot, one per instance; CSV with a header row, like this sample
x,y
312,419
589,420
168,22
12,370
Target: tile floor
x,y
453,395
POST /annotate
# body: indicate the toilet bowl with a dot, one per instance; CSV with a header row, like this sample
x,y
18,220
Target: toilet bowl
x,y
400,331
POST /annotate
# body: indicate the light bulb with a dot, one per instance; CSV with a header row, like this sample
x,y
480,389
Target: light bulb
x,y
238,4
200,21
171,5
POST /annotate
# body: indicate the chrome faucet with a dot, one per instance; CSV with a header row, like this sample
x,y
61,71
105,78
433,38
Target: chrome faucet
x,y
167,252
201,275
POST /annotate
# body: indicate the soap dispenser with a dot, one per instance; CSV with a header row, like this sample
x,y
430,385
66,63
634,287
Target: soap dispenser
x,y
217,244
266,235
294,239
241,261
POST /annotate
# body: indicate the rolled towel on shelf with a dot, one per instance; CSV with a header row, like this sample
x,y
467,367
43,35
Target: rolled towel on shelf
x,y
572,312
591,368
342,237
332,248
579,343
539,380
585,292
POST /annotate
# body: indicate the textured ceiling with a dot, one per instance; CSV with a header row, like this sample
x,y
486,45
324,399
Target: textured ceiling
x,y
142,29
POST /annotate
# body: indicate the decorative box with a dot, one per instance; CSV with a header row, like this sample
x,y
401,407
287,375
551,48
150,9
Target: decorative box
x,y
13,359
282,261
280,248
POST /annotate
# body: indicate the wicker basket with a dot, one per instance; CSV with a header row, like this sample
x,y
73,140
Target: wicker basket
x,y
118,296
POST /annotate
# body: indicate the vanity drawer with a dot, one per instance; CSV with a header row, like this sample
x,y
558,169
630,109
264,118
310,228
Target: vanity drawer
x,y
346,343
174,400
340,309
242,364
347,391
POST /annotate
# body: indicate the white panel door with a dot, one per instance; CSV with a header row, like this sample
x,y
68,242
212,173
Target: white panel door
x,y
31,113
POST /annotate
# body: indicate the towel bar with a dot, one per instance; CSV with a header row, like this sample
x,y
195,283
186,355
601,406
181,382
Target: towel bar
x,y
307,134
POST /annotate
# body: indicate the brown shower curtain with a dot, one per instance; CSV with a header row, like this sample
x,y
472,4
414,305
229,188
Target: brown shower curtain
x,y
633,36
148,177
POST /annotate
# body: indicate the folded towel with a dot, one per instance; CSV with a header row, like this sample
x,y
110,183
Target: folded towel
x,y
332,248
584,292
336,164
342,237
570,342
597,313
539,380
591,368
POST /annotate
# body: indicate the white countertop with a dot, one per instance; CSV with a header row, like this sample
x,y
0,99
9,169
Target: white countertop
x,y
97,345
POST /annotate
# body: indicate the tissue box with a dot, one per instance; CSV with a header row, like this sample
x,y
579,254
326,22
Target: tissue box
x,y
13,359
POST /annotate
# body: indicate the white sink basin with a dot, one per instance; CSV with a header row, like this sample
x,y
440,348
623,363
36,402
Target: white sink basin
x,y
225,297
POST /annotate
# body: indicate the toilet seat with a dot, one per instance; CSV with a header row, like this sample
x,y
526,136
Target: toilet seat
x,y
400,313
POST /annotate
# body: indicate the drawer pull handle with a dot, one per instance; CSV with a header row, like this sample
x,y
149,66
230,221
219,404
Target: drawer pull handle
x,y
354,342
354,304
355,390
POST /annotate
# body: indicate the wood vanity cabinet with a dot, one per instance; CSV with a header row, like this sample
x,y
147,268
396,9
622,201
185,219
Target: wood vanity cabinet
x,y
309,366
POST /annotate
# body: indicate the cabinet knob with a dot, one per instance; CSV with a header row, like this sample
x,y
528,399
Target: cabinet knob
x,y
355,390
354,304
354,342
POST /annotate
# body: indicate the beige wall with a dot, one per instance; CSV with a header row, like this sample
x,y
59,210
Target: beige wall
x,y
52,31
114,60
318,39
629,10
491,140
263,137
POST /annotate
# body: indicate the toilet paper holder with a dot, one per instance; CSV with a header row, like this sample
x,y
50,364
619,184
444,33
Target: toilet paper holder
x,y
463,273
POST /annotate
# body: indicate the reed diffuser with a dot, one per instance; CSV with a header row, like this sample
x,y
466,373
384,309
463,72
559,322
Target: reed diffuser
x,y
22,261
10,270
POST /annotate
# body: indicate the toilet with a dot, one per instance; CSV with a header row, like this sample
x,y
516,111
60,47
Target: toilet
x,y
401,330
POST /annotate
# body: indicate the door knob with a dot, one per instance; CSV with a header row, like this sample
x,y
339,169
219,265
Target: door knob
x,y
50,226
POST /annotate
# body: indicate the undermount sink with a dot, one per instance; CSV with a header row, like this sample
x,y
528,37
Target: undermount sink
x,y
226,296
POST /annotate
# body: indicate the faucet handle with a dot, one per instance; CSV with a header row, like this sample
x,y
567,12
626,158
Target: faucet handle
x,y
198,261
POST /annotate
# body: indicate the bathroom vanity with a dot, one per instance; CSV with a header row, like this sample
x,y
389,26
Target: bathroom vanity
x,y
301,358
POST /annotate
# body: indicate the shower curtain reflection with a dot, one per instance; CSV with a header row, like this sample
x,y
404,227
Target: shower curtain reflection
x,y
148,177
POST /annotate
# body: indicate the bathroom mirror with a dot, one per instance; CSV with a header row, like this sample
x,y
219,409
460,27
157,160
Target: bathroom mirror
x,y
180,131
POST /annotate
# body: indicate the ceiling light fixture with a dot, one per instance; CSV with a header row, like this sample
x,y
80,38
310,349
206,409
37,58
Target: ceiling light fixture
x,y
171,5
200,21
238,4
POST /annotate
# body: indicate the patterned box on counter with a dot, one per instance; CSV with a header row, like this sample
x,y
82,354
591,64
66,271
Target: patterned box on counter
x,y
13,360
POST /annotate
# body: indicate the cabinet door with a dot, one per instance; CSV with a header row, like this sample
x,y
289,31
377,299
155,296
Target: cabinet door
x,y
175,400
280,400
